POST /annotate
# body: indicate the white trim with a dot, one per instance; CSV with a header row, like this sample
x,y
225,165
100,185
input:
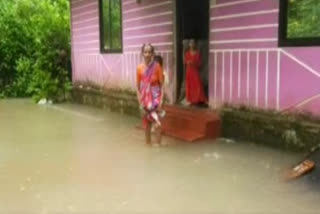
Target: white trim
x,y
231,78
135,64
257,79
97,65
85,13
278,79
127,68
83,28
138,52
167,66
85,49
244,49
148,16
248,27
267,80
85,35
308,100
92,54
243,41
128,2
154,44
215,78
149,35
311,70
128,71
244,14
86,42
122,69
85,21
239,76
90,49
223,76
233,3
148,26
146,7
84,6
248,76
131,67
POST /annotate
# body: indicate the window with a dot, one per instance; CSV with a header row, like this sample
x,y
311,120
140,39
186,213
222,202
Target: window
x,y
299,23
110,26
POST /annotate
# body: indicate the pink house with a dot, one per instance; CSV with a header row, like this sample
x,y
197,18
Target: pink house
x,y
251,59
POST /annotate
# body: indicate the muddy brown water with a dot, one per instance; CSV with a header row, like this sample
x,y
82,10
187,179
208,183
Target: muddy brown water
x,y
75,159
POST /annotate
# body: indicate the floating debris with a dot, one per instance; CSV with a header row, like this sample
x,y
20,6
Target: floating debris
x,y
228,141
212,155
216,155
22,188
43,101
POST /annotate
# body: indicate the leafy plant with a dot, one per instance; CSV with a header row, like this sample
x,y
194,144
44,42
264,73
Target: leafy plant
x,y
303,18
35,49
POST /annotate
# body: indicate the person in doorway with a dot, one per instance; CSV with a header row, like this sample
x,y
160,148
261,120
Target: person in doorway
x,y
194,87
150,80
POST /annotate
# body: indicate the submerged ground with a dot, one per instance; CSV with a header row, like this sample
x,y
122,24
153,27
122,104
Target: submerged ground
x,y
76,159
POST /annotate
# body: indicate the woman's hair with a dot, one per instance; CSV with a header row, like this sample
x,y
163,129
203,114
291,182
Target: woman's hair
x,y
158,59
145,45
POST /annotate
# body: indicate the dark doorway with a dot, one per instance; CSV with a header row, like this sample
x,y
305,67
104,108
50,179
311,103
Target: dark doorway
x,y
192,22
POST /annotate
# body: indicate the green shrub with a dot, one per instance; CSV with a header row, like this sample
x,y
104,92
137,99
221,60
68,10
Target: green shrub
x,y
35,49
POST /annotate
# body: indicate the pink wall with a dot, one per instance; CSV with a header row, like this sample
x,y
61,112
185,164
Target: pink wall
x,y
247,67
148,22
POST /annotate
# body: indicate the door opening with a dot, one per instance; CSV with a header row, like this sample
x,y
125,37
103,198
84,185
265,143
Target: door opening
x,y
192,22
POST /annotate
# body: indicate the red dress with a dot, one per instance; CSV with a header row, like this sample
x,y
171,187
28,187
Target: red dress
x,y
194,87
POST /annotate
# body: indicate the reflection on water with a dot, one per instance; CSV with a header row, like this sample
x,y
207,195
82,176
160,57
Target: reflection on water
x,y
74,159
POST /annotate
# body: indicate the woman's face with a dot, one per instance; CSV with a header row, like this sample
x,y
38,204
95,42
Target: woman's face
x,y
147,53
192,44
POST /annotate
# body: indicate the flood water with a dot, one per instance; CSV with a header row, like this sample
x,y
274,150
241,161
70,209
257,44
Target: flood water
x,y
75,159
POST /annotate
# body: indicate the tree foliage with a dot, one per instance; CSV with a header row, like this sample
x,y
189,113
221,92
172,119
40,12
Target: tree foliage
x,y
112,24
303,18
34,48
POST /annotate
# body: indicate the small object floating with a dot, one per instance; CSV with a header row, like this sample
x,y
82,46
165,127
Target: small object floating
x,y
43,101
301,169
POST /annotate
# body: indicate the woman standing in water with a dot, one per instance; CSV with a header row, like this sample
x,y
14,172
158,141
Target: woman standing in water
x,y
149,91
194,87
